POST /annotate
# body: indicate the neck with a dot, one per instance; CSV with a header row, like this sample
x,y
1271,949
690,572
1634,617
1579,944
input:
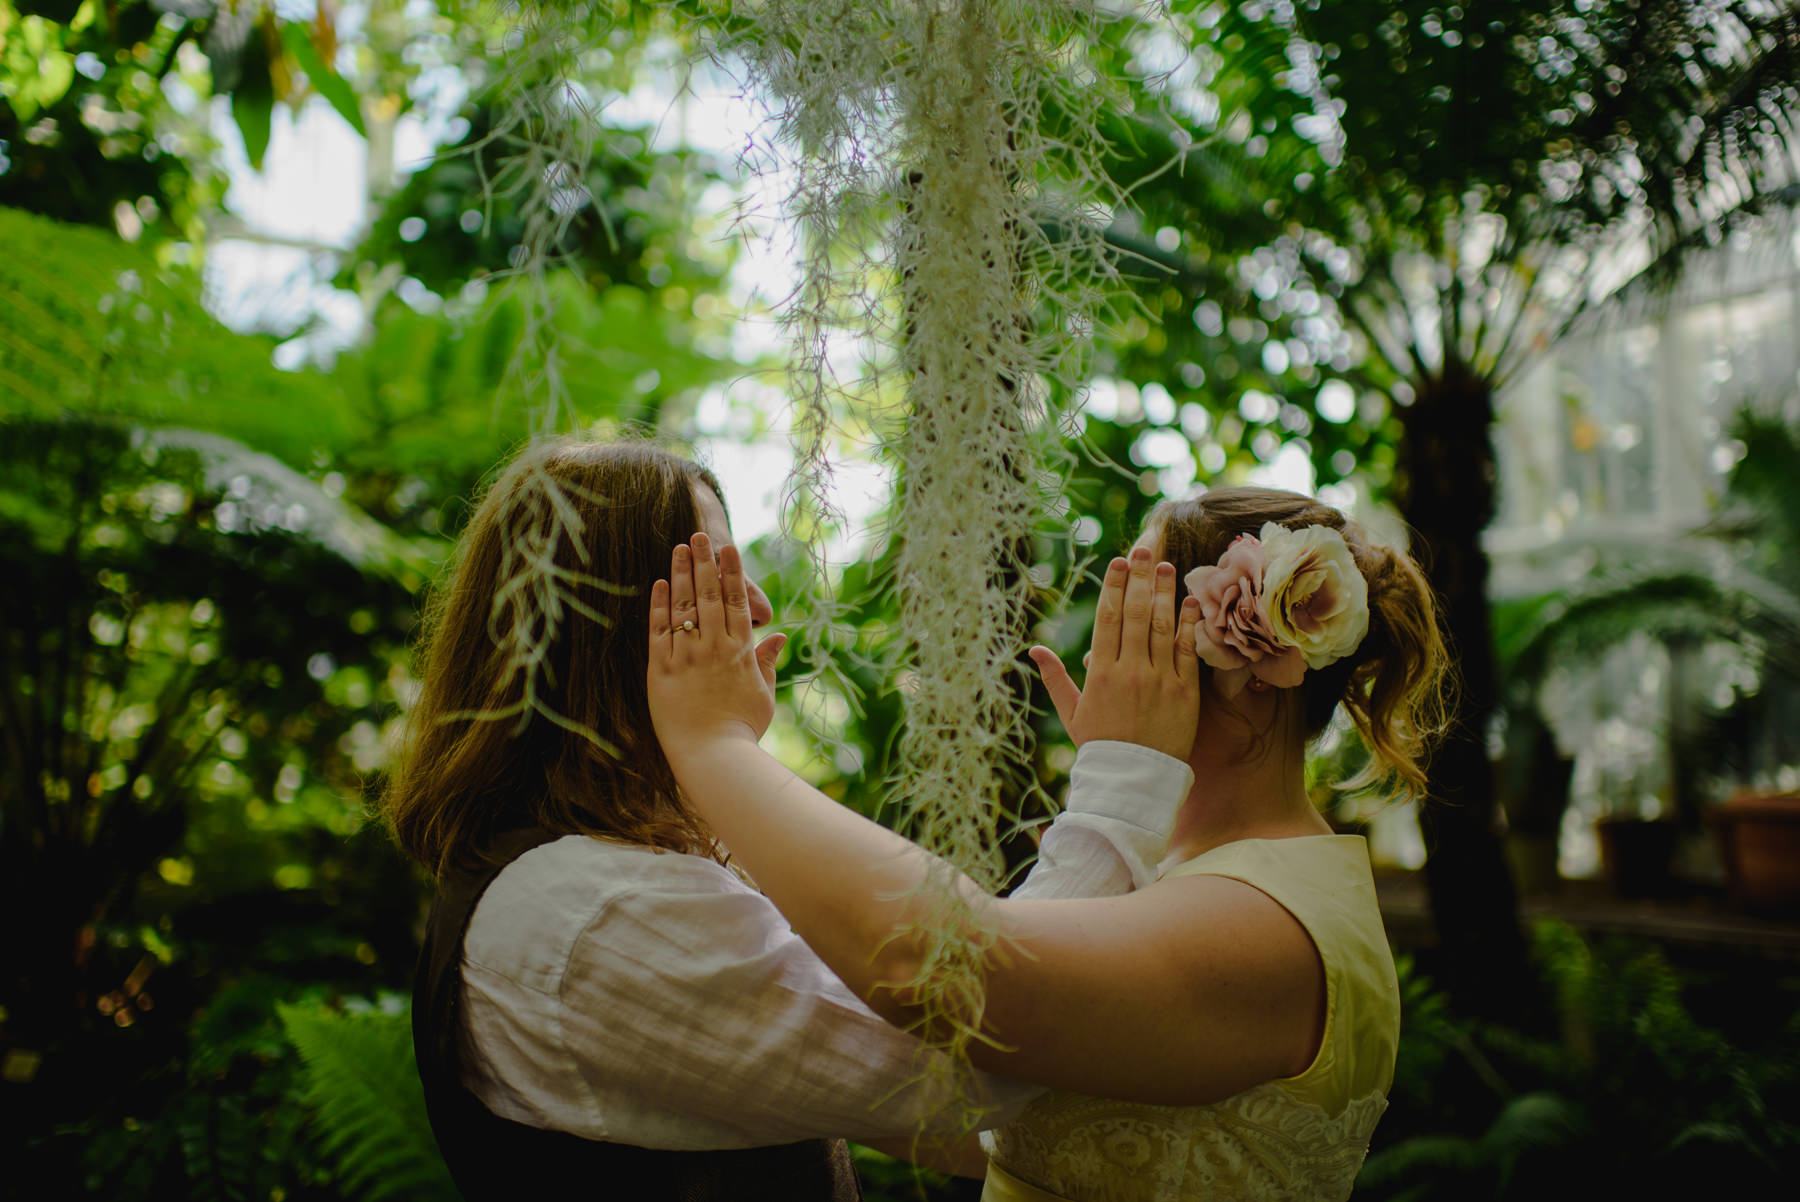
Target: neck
x,y
1238,796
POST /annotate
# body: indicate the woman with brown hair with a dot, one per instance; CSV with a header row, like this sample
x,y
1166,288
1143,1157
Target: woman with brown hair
x,y
1227,1032
601,993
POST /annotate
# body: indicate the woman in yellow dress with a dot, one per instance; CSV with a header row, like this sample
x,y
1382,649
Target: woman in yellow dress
x,y
1229,1030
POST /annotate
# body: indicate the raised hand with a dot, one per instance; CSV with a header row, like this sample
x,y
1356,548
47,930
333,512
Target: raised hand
x,y
1143,682
708,676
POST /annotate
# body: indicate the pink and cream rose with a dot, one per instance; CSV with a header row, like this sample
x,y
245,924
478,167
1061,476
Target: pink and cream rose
x,y
1277,605
1314,596
1234,635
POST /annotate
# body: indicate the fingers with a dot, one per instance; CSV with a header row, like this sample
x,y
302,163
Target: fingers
x,y
660,628
1109,614
661,632
682,608
707,595
736,593
767,652
1162,614
1140,586
1063,693
1187,652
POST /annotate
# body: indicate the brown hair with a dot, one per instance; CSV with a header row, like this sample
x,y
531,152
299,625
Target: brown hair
x,y
1394,686
478,761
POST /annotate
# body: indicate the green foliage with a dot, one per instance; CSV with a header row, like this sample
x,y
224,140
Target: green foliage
x,y
640,227
1635,1097
94,325
1734,584
77,145
361,1082
885,1179
85,145
1762,488
1394,196
419,400
253,95
198,658
298,41
215,1119
409,419
1696,601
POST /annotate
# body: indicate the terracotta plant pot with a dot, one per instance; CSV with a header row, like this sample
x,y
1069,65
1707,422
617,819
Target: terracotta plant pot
x,y
1759,843
1635,854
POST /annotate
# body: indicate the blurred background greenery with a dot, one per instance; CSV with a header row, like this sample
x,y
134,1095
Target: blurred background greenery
x,y
1522,276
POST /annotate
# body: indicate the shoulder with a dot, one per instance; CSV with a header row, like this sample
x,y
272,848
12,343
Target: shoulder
x,y
1326,888
1189,991
1312,898
1220,919
1323,881
538,909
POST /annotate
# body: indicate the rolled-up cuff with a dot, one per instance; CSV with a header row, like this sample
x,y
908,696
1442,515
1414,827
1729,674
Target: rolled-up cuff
x,y
1129,782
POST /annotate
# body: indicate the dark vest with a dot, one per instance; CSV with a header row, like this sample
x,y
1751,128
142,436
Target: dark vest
x,y
493,1158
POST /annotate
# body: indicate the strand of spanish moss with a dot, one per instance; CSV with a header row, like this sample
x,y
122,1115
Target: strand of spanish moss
x,y
546,127
819,59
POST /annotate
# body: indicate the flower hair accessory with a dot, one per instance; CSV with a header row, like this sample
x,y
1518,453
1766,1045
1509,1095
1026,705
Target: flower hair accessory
x,y
1277,605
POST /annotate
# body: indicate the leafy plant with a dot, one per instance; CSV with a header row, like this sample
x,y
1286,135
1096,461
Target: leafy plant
x,y
885,1179
1635,1097
362,1085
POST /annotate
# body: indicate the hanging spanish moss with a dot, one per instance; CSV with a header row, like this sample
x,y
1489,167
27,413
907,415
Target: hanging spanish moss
x,y
925,121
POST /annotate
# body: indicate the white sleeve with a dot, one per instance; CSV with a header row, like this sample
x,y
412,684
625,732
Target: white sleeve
x,y
1115,828
689,1015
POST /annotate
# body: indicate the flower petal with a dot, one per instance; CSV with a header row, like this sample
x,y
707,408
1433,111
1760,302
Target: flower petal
x,y
1215,654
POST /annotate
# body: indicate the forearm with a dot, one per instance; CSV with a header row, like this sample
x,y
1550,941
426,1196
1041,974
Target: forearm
x,y
851,888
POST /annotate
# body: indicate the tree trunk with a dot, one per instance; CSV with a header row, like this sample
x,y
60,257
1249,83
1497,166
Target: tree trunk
x,y
1447,496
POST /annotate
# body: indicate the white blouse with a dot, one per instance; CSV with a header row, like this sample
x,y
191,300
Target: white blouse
x,y
656,999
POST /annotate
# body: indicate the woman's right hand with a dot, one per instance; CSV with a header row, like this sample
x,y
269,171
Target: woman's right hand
x,y
1143,672
708,676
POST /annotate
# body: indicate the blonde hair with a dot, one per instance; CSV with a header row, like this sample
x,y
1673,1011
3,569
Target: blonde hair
x,y
1395,686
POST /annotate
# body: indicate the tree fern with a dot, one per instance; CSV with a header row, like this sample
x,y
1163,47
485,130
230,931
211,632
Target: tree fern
x,y
362,1085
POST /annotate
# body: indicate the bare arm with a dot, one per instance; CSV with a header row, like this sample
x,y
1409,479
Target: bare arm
x,y
1185,992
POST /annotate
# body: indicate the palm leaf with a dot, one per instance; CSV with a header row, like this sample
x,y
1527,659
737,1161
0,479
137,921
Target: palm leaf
x,y
1669,601
271,493
362,1084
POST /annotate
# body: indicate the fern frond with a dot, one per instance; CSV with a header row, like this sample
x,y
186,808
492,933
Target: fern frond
x,y
1422,1160
362,1084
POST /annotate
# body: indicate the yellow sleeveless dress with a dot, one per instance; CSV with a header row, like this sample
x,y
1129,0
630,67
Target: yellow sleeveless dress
x,y
1298,1138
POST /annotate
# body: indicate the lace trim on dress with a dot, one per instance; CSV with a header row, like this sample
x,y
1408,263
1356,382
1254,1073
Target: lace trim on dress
x,y
1262,1145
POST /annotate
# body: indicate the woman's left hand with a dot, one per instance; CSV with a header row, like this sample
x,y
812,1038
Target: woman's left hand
x,y
709,677
1143,681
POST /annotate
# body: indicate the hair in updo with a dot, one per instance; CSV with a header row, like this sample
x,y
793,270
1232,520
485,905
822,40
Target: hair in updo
x,y
1394,686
